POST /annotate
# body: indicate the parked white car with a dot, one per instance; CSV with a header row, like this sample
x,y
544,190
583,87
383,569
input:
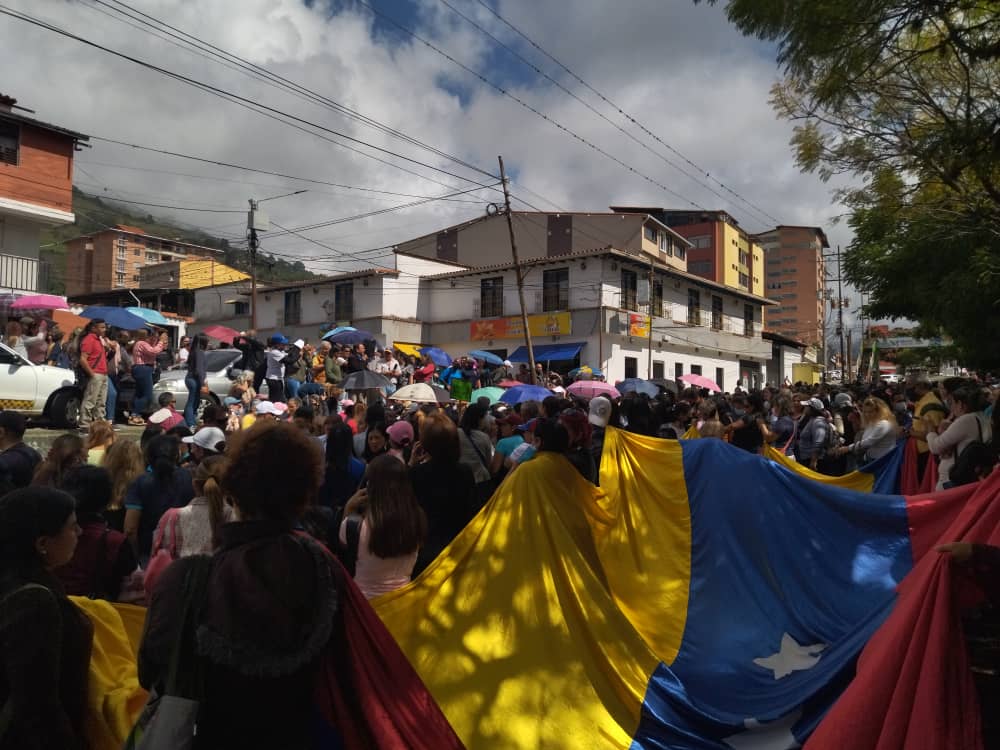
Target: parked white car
x,y
38,390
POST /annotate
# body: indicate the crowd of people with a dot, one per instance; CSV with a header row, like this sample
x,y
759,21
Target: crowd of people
x,y
268,487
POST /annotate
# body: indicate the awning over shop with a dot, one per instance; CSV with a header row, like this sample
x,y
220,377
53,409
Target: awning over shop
x,y
548,352
410,350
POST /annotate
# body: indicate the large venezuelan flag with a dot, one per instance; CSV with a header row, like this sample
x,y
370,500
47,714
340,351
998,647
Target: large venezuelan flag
x,y
703,598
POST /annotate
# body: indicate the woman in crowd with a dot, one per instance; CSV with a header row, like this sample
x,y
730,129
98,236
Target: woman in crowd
x,y
400,434
144,355
376,442
100,437
577,426
196,379
810,448
166,485
782,431
45,640
966,424
67,452
391,529
13,338
878,432
444,487
709,424
103,556
476,450
125,463
343,469
268,609
366,415
425,372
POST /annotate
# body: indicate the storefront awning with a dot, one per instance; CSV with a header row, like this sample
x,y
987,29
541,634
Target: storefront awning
x,y
549,352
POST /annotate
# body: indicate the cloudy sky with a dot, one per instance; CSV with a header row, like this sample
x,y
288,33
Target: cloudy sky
x,y
679,69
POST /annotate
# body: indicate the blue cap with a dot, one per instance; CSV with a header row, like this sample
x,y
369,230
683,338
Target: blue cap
x,y
279,338
230,400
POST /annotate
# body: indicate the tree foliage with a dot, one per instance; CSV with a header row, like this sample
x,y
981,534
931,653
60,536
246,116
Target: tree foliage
x,y
904,97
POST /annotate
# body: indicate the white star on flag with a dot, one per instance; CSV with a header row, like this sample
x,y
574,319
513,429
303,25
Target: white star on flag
x,y
775,735
791,657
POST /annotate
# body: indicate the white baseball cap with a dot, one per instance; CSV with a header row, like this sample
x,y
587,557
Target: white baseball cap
x,y
600,411
265,407
299,343
207,438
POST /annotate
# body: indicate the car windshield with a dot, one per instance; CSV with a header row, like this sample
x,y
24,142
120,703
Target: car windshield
x,y
216,360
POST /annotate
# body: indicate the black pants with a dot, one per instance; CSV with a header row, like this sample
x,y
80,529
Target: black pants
x,y
276,389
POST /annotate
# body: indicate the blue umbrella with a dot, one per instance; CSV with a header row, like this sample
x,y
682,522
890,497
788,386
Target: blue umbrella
x,y
149,315
520,393
350,337
488,357
118,317
338,329
438,356
639,386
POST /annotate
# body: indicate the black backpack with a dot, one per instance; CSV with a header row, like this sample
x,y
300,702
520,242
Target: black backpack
x,y
976,460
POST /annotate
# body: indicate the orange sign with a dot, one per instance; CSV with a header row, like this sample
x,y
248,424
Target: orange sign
x,y
638,325
548,324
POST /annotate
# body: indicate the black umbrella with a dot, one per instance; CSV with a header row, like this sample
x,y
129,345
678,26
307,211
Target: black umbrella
x,y
667,385
363,380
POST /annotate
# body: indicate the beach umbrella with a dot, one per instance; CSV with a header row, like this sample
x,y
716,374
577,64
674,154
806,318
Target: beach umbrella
x,y
525,393
586,371
40,302
150,315
221,333
422,392
117,317
363,380
665,384
349,337
639,386
492,392
700,381
438,356
488,357
588,389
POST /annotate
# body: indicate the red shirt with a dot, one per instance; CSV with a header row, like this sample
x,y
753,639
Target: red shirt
x,y
93,350
423,374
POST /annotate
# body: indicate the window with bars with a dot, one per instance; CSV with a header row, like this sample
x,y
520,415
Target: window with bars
x,y
656,299
343,301
748,320
694,307
744,280
717,313
293,307
491,297
555,290
630,288
120,279
10,143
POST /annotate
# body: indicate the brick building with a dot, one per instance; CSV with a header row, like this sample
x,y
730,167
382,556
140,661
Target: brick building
x,y
36,191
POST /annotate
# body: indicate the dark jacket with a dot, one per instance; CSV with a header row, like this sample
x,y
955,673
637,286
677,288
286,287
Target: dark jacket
x,y
196,366
45,643
268,613
102,559
18,463
253,353
447,493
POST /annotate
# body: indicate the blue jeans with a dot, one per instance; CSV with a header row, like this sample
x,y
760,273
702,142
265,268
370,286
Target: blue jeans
x,y
292,387
194,398
143,375
311,389
112,401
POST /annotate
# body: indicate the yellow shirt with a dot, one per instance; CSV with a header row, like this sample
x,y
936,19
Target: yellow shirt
x,y
248,420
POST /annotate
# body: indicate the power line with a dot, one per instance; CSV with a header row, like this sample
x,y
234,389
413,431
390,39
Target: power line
x,y
250,104
625,114
527,106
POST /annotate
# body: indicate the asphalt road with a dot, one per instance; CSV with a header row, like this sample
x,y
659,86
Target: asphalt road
x,y
41,438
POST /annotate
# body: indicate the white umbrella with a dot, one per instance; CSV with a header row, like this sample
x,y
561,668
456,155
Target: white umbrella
x,y
415,392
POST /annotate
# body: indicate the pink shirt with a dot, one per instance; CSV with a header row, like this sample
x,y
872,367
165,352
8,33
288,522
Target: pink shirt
x,y
145,354
377,575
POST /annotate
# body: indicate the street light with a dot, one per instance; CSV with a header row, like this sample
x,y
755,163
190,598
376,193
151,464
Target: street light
x,y
258,222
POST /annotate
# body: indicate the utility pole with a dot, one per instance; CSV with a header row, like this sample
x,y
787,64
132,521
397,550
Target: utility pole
x,y
254,244
840,309
649,342
517,272
848,370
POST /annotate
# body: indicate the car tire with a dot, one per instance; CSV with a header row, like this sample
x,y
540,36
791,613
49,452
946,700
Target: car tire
x,y
64,410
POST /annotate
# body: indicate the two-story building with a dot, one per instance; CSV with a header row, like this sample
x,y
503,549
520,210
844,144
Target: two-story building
x,y
36,191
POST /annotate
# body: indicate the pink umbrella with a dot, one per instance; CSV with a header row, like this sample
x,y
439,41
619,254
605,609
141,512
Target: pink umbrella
x,y
221,333
700,381
589,388
40,302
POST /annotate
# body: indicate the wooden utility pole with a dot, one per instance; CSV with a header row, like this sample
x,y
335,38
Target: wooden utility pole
x,y
517,273
649,340
253,265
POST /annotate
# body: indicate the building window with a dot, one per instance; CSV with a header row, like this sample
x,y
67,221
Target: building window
x,y
701,241
700,266
656,300
744,258
680,251
293,308
120,266
694,307
658,369
241,308
152,257
696,369
555,290
744,280
678,369
720,377
666,245
121,251
716,312
343,301
10,141
631,367
748,320
119,279
491,297
630,285
137,252
649,233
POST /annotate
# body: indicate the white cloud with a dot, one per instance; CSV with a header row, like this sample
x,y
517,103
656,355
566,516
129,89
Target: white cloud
x,y
681,69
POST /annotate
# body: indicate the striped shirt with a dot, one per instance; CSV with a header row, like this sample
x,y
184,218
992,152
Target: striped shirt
x,y
145,354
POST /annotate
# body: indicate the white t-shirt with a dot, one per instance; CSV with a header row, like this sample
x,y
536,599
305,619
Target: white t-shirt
x,y
275,364
182,356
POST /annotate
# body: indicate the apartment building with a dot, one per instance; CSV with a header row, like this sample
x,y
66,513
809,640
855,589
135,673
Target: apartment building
x,y
795,275
114,258
721,251
36,191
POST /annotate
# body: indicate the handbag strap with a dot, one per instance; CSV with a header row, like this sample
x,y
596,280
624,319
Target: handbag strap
x,y
184,664
353,533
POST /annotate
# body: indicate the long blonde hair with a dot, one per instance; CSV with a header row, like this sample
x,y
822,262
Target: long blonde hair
x,y
882,411
124,461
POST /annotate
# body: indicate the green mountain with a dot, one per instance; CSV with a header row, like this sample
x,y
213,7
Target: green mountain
x,y
94,213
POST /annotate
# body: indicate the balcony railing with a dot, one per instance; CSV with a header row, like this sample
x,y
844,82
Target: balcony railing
x,y
23,274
